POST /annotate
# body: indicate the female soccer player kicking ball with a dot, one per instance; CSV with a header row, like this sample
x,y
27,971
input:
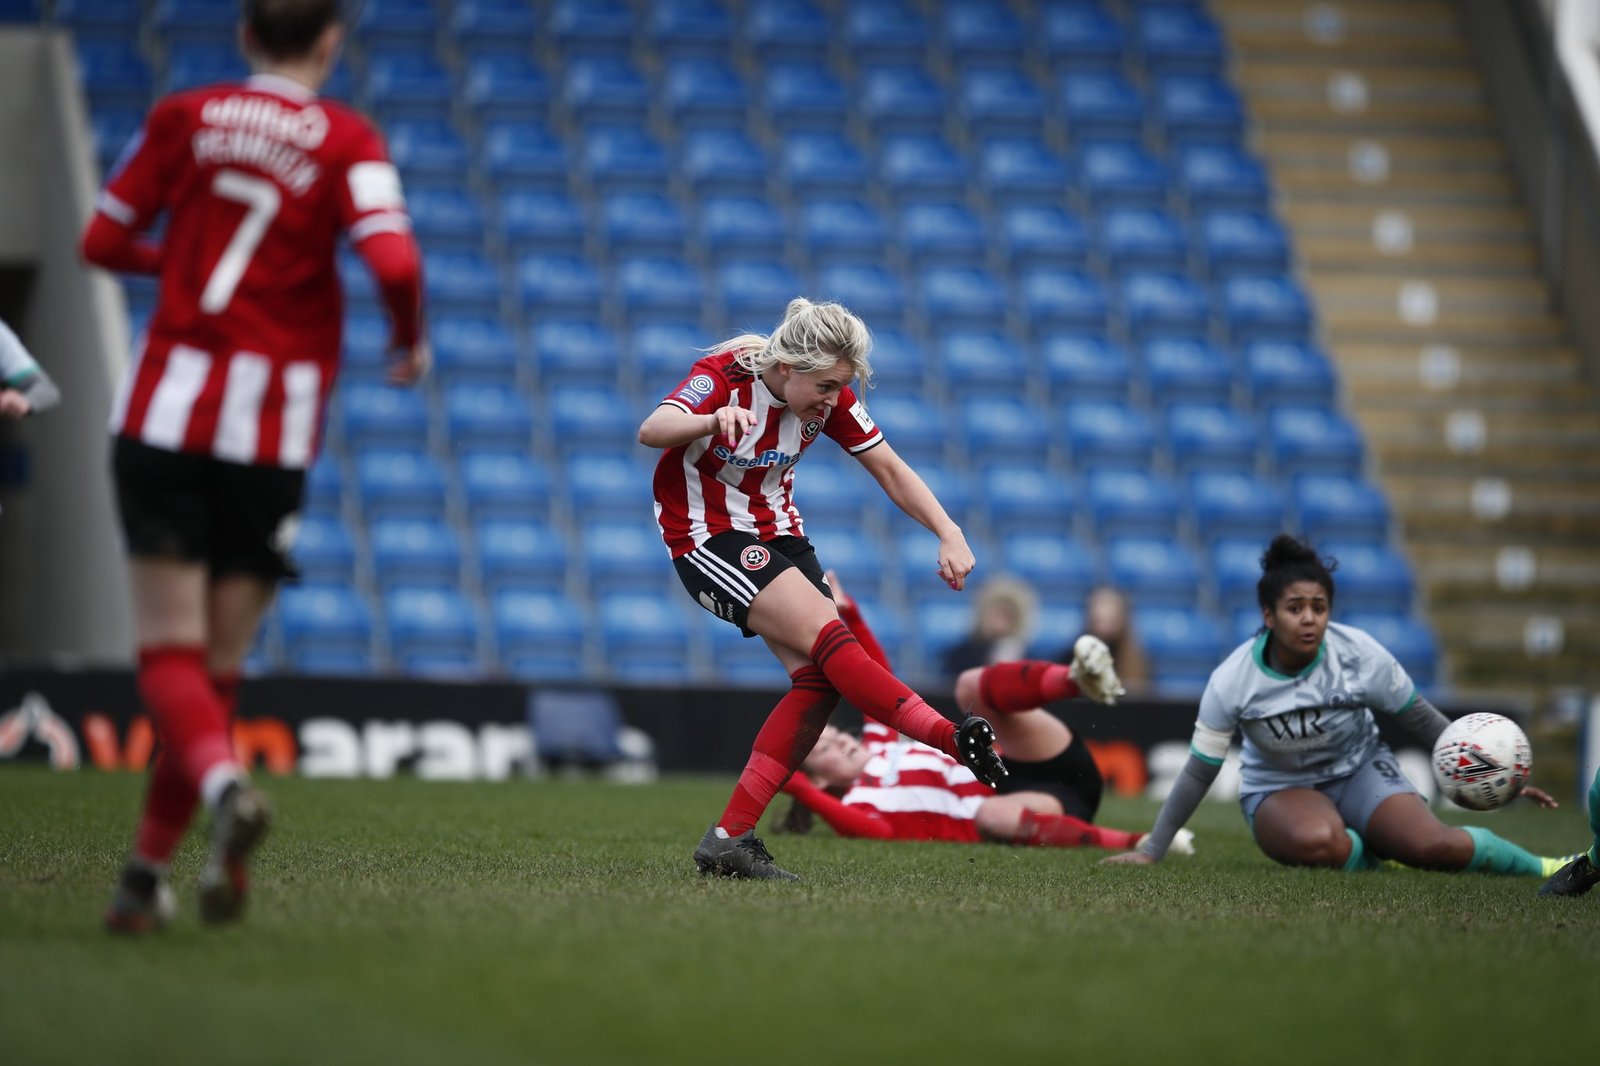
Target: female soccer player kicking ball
x,y
1319,787
732,433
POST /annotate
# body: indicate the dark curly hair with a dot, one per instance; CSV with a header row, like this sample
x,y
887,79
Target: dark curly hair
x,y
1289,559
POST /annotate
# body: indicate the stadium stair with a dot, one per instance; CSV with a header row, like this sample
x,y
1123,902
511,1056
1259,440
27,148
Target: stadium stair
x,y
1417,251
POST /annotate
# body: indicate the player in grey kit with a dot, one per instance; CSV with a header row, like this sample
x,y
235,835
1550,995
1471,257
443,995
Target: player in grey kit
x,y
25,389
1319,787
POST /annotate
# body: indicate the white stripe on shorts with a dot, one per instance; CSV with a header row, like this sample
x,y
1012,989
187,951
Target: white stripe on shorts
x,y
718,561
718,579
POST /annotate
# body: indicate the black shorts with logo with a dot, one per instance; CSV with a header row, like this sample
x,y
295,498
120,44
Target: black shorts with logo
x,y
1071,777
725,573
235,518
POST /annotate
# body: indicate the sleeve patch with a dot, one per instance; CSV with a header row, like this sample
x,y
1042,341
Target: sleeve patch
x,y
375,186
864,420
696,390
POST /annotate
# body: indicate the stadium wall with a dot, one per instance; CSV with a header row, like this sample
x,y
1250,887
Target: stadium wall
x,y
62,583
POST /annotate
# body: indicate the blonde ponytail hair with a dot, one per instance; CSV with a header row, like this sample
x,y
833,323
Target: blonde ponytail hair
x,y
812,337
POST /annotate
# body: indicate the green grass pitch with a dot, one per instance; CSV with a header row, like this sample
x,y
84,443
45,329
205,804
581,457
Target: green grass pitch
x,y
561,922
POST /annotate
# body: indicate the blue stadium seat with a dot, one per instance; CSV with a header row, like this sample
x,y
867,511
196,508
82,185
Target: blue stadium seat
x,y
486,416
1056,627
524,154
1265,307
1313,440
1184,646
486,27
643,636
520,554
1053,299
1210,436
1131,502
574,351
365,352
786,30
1079,35
325,485
372,415
505,484
1107,434
534,632
837,230
540,221
502,85
982,33
723,162
623,157
867,289
194,63
857,557
738,225
106,19
1177,38
427,151
921,166
390,22
951,485
324,550
1085,367
661,354
1234,564
659,287
1115,174
429,621
461,281
956,297
606,485
915,430
395,482
1141,239
1016,170
1370,577
641,223
1235,504
1156,305
211,22
1346,509
1024,497
1186,371
1153,571
113,70
407,84
755,292
473,348
360,289
938,624
324,616
586,416
1000,102
111,130
1033,235
829,493
315,662
590,27
1059,566
449,218
981,361
901,99
1235,242
822,162
915,553
947,232
558,284
900,365
1004,427
1100,105
1221,176
414,551
1288,372
803,96
882,31
1407,638
700,29
703,92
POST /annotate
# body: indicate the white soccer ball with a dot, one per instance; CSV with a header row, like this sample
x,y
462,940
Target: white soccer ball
x,y
1482,761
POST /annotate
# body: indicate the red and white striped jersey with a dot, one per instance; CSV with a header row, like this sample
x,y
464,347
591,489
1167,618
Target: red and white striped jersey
x,y
712,486
258,181
921,792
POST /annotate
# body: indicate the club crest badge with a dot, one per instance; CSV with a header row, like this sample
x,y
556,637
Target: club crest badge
x,y
755,557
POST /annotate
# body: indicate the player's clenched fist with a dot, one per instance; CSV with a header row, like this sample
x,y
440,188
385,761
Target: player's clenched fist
x,y
731,422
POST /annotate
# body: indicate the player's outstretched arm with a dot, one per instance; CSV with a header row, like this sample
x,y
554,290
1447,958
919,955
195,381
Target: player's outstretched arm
x,y
912,495
843,819
1206,753
670,426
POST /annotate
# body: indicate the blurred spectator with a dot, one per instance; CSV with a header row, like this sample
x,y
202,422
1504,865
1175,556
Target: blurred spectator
x,y
25,388
1000,627
1108,615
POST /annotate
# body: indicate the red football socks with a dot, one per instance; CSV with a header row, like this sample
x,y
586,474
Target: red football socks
x,y
877,692
171,799
787,737
189,717
1024,685
1065,831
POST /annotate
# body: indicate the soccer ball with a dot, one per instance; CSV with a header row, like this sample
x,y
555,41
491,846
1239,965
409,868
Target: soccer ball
x,y
1482,761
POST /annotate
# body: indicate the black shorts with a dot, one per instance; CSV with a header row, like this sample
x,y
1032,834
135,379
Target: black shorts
x,y
1071,777
725,573
235,518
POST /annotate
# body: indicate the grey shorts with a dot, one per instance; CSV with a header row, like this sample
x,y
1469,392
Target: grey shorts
x,y
1356,795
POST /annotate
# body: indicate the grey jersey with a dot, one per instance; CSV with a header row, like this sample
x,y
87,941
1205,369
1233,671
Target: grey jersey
x,y
19,371
1315,726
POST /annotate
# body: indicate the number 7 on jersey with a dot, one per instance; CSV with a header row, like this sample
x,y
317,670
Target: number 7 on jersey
x,y
261,199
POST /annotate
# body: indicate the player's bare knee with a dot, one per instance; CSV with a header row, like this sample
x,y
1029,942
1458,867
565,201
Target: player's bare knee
x,y
996,821
1317,843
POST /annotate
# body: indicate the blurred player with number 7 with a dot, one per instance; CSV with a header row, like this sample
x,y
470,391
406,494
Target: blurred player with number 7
x,y
220,412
